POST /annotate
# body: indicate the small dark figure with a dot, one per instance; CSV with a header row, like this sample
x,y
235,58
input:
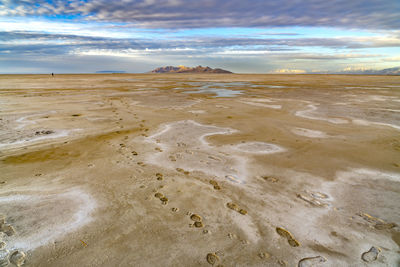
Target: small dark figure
x,y
52,74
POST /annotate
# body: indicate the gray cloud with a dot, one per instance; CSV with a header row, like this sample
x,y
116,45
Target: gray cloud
x,y
270,44
372,14
23,50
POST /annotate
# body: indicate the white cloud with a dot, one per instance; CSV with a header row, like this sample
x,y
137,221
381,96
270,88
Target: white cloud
x,y
289,71
392,59
57,27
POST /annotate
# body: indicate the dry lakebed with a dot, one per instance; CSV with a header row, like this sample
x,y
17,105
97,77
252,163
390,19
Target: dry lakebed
x,y
199,170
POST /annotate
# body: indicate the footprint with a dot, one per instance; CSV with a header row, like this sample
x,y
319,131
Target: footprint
x,y
212,258
232,179
286,234
243,211
379,224
231,236
384,226
6,228
264,255
215,184
198,224
270,179
158,195
181,144
214,158
282,262
17,258
311,261
182,171
232,206
235,207
319,195
314,198
197,220
371,255
162,198
159,176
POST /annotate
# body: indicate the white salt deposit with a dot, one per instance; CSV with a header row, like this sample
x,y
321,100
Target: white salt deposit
x,y
35,139
355,174
197,111
186,143
41,217
27,120
309,113
261,104
309,133
258,148
371,123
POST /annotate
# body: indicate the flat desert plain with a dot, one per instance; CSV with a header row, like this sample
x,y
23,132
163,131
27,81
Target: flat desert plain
x,y
199,170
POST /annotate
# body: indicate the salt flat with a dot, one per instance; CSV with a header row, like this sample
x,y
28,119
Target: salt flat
x,y
193,170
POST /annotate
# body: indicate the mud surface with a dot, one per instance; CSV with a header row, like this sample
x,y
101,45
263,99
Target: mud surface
x,y
199,170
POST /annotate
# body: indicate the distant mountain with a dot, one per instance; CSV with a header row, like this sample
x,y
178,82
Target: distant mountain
x,y
390,71
110,71
183,69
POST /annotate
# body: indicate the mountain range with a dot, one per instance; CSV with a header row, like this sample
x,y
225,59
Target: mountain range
x,y
183,69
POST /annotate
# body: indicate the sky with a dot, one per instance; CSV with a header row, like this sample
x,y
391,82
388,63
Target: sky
x,y
257,36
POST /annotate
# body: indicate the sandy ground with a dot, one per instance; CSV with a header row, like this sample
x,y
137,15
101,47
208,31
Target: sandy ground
x,y
199,170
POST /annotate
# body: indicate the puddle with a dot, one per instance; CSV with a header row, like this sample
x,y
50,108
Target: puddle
x,y
218,89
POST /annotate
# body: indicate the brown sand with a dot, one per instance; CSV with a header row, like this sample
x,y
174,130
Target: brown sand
x,y
129,170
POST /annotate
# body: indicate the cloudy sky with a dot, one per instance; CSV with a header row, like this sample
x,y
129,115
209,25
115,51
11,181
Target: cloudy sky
x,y
248,36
